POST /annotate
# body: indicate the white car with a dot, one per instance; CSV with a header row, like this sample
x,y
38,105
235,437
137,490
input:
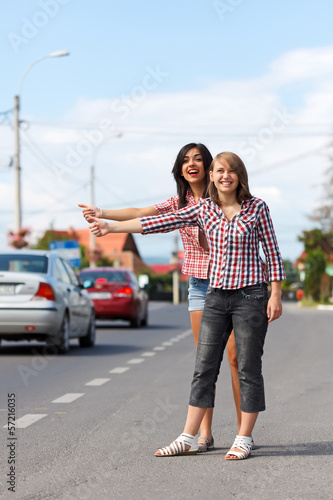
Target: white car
x,y
42,299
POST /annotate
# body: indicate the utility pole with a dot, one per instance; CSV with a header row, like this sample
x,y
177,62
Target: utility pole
x,y
92,241
92,244
17,166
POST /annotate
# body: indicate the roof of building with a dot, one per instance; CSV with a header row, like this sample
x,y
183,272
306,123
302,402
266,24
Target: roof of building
x,y
113,242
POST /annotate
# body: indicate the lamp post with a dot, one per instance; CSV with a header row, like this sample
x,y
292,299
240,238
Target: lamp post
x,y
17,167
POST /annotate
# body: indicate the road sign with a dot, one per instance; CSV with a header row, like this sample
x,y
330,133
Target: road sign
x,y
69,250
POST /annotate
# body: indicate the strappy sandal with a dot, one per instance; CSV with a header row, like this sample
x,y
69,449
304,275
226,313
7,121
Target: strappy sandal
x,y
205,444
243,443
177,447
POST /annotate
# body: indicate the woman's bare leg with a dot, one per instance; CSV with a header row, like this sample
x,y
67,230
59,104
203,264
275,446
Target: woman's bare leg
x,y
206,424
233,363
246,428
194,419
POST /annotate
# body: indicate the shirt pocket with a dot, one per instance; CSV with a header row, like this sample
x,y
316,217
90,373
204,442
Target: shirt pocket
x,y
245,225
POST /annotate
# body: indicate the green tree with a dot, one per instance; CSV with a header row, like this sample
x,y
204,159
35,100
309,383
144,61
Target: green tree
x,y
49,235
317,239
314,269
291,274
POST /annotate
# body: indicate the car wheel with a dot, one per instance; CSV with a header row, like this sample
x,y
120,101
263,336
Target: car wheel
x,y
61,342
135,323
89,339
144,321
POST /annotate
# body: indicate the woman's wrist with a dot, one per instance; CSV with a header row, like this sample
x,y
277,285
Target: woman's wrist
x,y
276,290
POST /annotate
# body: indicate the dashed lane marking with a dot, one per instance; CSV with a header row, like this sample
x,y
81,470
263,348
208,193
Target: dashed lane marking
x,y
68,398
31,418
98,381
28,419
119,369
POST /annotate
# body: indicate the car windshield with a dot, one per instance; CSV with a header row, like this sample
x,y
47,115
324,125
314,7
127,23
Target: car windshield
x,y
23,263
109,276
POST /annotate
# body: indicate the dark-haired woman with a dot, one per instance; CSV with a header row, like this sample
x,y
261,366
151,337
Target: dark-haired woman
x,y
235,223
191,173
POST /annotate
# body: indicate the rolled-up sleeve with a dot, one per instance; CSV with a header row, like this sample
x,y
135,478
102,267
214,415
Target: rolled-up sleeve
x,y
173,220
270,246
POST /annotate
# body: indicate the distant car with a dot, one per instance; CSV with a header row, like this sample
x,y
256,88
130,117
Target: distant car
x,y
116,294
41,298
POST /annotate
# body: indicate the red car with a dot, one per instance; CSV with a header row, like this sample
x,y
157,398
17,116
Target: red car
x,y
116,294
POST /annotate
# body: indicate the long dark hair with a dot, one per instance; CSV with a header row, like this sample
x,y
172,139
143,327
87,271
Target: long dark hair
x,y
182,184
235,162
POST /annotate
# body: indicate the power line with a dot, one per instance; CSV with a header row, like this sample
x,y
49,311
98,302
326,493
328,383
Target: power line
x,y
282,163
208,133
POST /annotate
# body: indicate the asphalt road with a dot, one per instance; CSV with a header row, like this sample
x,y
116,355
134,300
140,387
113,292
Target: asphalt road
x,y
88,423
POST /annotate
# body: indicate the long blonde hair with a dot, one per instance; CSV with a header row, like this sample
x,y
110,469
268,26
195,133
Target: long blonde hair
x,y
234,162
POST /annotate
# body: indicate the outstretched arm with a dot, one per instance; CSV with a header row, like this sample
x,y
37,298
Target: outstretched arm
x,y
90,211
101,228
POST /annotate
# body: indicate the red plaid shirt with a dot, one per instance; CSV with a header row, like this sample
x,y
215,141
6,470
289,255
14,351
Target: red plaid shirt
x,y
196,258
234,245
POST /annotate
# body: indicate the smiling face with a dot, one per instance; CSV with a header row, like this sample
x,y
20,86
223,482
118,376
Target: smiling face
x,y
224,178
193,167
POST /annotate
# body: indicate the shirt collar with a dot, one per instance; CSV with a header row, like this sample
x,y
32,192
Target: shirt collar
x,y
246,203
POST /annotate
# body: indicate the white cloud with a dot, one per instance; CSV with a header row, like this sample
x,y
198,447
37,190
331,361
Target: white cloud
x,y
272,195
303,64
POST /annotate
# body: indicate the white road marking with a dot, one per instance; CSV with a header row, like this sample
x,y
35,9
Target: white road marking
x,y
68,398
28,419
98,381
135,361
120,369
31,418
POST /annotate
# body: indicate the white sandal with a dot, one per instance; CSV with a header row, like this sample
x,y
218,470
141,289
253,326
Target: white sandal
x,y
177,447
243,443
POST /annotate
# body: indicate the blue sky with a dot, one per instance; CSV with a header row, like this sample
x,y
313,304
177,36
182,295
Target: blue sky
x,y
250,76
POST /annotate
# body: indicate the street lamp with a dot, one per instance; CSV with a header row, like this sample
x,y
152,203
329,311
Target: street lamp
x,y
17,167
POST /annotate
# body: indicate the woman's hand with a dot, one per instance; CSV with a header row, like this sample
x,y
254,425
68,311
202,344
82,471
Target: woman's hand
x,y
99,227
90,211
274,306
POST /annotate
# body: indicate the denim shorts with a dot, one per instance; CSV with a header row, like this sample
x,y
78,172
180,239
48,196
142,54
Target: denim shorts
x,y
197,293
246,310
